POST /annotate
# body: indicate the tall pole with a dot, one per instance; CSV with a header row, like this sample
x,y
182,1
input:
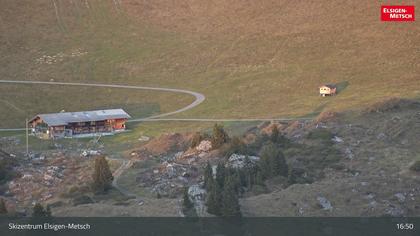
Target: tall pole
x,y
27,137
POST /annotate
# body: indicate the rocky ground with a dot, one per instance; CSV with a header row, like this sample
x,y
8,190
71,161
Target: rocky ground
x,y
352,164
373,176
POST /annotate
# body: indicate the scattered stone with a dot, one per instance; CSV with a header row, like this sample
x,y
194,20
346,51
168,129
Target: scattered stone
x,y
324,203
301,211
400,197
337,139
381,136
144,139
373,204
88,153
349,153
395,211
370,196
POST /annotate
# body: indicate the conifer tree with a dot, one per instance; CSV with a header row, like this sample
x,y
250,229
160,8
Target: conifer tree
x,y
3,208
272,162
214,198
48,211
187,204
102,176
208,176
236,180
39,211
219,136
230,201
248,172
220,174
264,165
274,134
259,180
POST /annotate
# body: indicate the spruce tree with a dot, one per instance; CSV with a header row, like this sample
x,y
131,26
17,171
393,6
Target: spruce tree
x,y
214,198
187,205
279,165
3,208
102,176
48,211
230,201
259,180
39,211
220,174
219,136
264,165
272,162
274,134
208,176
236,179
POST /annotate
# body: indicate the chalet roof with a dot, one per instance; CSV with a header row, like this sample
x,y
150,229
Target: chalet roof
x,y
64,118
328,85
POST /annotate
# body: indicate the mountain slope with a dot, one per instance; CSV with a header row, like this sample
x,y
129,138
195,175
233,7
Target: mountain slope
x,y
251,59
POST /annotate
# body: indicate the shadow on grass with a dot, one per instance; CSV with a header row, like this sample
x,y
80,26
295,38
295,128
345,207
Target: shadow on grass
x,y
342,86
317,110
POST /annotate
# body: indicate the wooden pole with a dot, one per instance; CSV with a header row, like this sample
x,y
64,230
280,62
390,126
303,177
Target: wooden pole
x,y
27,137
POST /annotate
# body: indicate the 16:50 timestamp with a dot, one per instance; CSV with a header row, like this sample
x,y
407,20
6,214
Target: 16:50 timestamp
x,y
405,226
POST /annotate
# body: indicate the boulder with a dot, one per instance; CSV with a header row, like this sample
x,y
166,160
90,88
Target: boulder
x,y
324,203
204,146
337,139
238,161
400,197
195,192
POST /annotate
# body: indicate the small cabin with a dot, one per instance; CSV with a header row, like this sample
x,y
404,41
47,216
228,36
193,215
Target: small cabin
x,y
327,90
79,124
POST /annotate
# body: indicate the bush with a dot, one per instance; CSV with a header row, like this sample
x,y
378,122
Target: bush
x,y
321,134
7,171
259,189
415,166
76,191
40,212
236,145
81,200
197,138
298,176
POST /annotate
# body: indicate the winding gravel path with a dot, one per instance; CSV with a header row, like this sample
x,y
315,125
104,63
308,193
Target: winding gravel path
x,y
199,98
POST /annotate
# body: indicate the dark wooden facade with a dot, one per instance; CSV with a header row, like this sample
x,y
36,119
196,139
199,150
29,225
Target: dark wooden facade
x,y
48,126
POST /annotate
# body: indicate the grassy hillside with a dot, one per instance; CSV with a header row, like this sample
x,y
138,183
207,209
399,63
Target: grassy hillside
x,y
251,59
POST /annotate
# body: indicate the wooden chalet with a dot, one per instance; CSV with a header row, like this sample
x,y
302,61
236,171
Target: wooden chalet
x,y
327,90
79,124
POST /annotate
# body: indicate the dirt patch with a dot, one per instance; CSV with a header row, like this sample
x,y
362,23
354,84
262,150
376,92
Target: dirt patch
x,y
167,143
